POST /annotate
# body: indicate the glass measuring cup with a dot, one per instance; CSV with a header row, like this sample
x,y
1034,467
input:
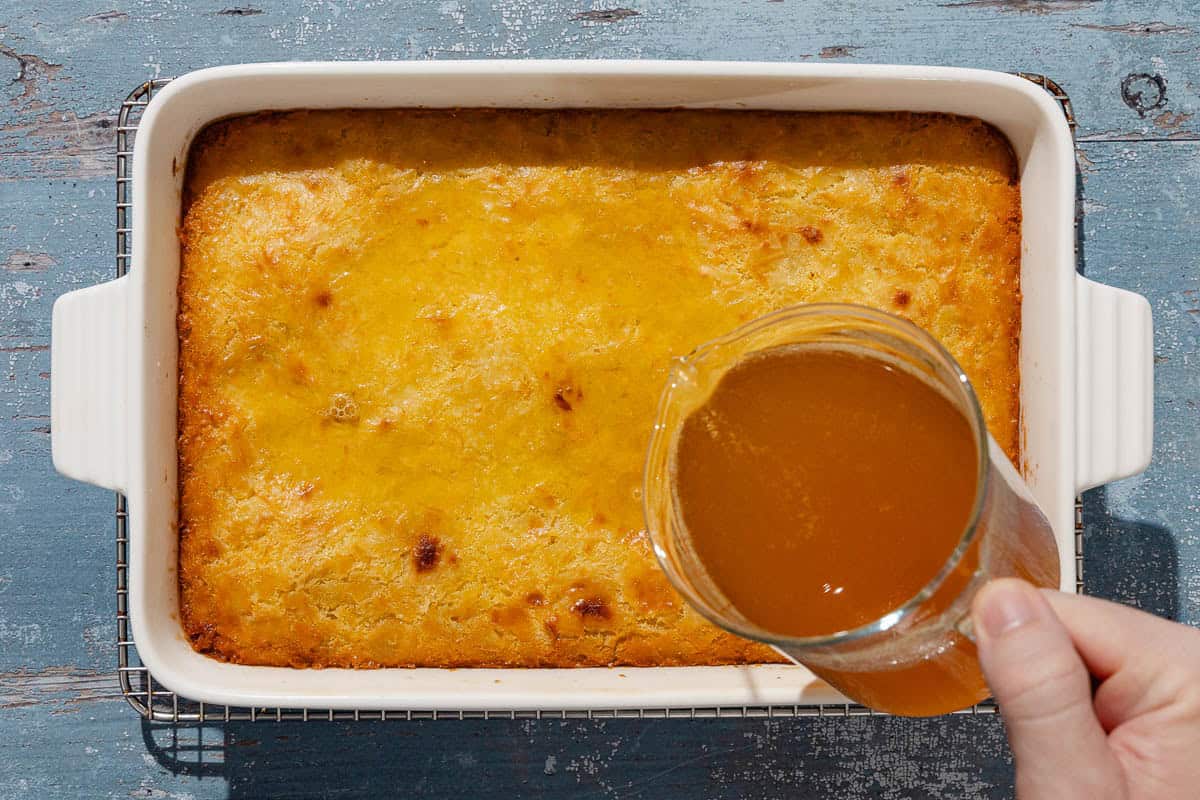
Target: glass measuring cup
x,y
917,659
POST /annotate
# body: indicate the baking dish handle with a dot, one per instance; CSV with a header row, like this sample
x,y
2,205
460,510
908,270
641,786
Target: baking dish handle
x,y
88,384
1114,363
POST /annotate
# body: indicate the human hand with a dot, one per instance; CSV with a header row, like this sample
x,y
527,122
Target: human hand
x,y
1137,737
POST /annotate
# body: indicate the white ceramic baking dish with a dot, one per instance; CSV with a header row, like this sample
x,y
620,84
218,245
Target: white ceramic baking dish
x,y
1085,352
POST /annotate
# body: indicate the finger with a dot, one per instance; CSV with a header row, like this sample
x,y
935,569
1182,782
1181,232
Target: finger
x,y
1109,636
1145,661
1044,692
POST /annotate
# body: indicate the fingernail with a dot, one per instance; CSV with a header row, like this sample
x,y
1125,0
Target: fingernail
x,y
1009,606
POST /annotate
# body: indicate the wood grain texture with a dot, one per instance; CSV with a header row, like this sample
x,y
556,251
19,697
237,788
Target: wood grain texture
x,y
1132,70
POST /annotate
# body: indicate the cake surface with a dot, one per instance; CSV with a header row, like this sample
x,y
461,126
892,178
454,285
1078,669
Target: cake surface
x,y
421,351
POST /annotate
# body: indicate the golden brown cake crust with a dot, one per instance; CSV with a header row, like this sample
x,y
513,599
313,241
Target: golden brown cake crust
x,y
420,353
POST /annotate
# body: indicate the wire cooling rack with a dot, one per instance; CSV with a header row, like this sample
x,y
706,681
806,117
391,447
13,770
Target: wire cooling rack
x,y
156,703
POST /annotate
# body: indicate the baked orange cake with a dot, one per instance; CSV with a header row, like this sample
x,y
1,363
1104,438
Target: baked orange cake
x,y
420,354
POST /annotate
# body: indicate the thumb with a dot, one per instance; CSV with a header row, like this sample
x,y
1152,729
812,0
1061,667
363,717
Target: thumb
x,y
1044,693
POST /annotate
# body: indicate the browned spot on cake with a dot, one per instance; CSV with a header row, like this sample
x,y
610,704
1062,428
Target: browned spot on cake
x,y
592,607
652,592
385,424
204,637
323,298
599,519
544,498
427,552
901,298
508,616
567,397
441,322
747,171
305,489
812,235
901,178
551,625
535,599
422,222
298,370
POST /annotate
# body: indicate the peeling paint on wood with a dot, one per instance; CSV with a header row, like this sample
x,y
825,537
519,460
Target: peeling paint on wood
x,y
58,144
1025,6
1169,121
838,51
107,17
604,15
65,68
1136,28
32,72
25,261
65,689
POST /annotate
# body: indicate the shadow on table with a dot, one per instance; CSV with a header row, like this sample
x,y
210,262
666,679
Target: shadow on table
x,y
960,756
1136,563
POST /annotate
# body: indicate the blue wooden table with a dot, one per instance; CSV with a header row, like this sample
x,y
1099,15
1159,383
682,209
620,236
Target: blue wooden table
x,y
1133,71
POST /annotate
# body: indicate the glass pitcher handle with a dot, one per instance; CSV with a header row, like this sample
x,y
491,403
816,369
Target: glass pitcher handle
x,y
966,626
